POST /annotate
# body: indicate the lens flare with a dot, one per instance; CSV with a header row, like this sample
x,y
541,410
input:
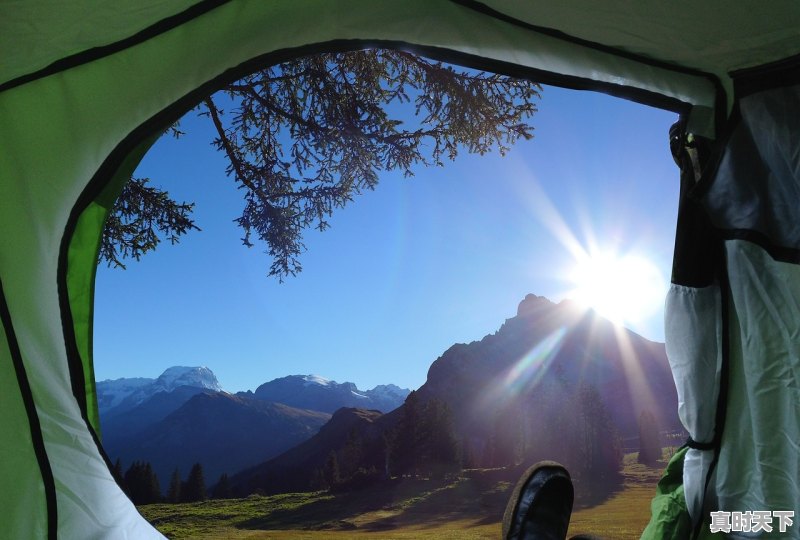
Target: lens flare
x,y
526,373
623,289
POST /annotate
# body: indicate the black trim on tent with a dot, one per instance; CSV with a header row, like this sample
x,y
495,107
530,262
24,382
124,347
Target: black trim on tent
x,y
95,53
720,106
76,373
563,36
170,114
640,96
749,81
779,253
694,445
33,419
697,247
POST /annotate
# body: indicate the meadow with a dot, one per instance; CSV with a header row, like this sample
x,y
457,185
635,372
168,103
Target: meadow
x,y
467,507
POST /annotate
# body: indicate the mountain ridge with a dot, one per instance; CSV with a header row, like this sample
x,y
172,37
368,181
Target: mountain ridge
x,y
139,418
509,389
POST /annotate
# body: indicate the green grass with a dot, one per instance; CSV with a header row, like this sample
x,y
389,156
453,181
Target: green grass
x,y
469,507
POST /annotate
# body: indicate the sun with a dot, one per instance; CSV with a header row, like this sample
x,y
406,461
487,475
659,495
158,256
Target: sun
x,y
623,289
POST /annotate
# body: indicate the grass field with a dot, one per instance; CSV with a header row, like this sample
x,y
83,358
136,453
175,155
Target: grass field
x,y
470,507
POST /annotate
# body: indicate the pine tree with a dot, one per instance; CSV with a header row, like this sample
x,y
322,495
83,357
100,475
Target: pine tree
x,y
174,490
330,473
142,483
405,451
195,487
601,452
439,447
152,485
649,439
222,490
119,476
350,455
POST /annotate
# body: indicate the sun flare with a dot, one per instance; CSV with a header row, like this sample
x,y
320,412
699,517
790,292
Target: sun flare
x,y
624,289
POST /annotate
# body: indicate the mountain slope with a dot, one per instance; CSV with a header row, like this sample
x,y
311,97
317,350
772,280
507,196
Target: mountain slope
x,y
545,347
320,394
505,391
224,433
294,470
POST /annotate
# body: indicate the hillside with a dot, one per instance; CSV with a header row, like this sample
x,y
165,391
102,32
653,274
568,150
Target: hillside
x,y
183,417
550,377
224,433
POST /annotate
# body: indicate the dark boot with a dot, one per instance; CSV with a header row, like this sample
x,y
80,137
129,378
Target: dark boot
x,y
540,505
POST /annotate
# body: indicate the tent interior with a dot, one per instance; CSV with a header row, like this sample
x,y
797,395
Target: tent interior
x,y
86,88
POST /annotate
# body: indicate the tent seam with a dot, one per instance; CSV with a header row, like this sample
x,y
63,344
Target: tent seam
x,y
784,254
95,53
37,437
77,376
785,72
480,7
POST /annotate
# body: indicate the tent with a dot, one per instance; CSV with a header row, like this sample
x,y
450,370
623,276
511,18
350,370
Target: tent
x,y
86,86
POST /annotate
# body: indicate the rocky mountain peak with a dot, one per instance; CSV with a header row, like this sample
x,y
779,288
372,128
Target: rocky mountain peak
x,y
533,304
198,377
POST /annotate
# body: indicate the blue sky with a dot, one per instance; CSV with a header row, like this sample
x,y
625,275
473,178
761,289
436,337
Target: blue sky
x,y
405,271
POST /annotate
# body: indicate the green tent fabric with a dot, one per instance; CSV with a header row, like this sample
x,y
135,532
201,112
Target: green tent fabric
x,y
668,508
85,87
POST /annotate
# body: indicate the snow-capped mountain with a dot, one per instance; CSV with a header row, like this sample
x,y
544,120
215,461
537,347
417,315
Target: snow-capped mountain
x,y
184,416
321,394
111,393
199,377
119,395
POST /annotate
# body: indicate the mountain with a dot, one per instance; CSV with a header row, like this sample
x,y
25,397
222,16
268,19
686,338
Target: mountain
x,y
141,418
294,470
223,432
540,352
549,379
121,424
320,394
120,395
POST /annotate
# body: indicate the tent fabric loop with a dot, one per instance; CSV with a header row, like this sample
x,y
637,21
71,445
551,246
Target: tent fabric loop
x,y
691,443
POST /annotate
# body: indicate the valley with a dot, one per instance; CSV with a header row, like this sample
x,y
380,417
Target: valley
x,y
468,507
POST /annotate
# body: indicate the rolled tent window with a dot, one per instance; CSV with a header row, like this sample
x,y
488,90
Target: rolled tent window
x,y
693,331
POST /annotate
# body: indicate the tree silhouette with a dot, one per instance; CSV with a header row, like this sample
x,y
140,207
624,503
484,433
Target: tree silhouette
x,y
195,487
351,455
174,490
330,472
405,448
222,489
142,483
303,138
439,447
119,477
423,442
599,446
649,439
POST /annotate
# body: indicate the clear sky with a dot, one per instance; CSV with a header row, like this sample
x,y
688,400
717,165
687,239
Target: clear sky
x,y
406,270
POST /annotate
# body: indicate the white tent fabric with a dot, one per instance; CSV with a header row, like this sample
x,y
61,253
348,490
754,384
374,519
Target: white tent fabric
x,y
694,349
